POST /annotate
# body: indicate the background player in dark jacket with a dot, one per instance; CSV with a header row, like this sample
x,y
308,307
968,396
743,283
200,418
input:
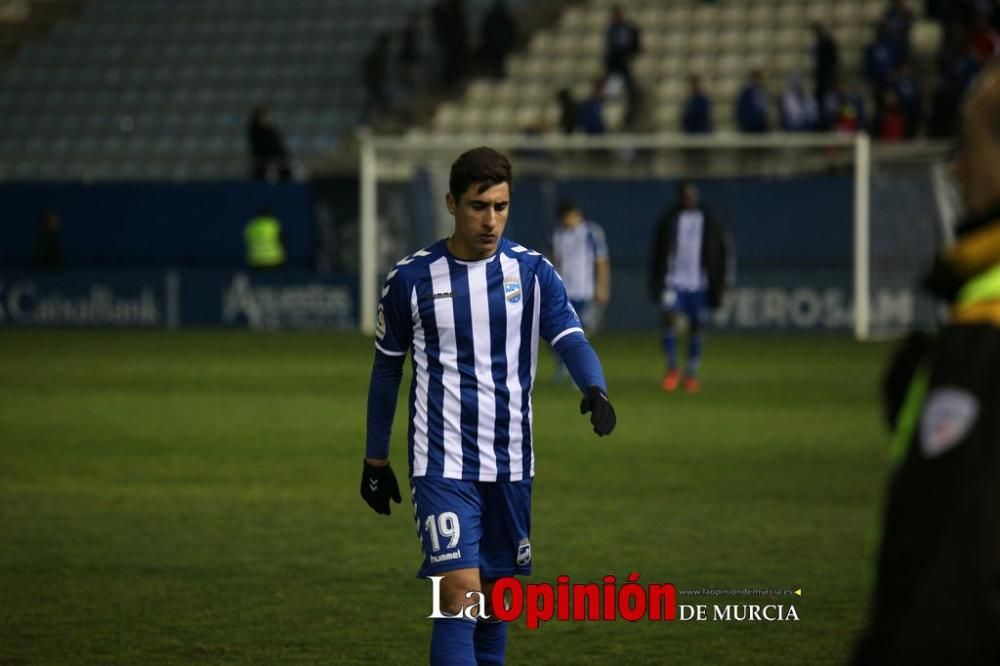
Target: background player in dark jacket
x,y
937,599
686,277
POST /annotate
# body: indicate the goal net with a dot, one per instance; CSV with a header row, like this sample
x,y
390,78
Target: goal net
x,y
828,233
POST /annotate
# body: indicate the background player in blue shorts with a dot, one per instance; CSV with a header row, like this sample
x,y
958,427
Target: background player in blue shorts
x,y
686,277
470,309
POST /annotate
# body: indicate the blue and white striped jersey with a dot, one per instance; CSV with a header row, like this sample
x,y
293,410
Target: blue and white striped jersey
x,y
684,269
575,252
473,327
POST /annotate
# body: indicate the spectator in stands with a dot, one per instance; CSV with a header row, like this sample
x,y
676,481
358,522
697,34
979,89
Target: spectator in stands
x,y
799,111
826,61
752,104
948,90
881,57
963,67
622,44
375,74
958,58
410,56
451,34
569,113
265,241
844,109
696,117
499,36
907,89
591,113
898,19
267,146
48,254
890,123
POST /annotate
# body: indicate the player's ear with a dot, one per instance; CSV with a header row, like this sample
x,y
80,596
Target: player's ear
x,y
450,202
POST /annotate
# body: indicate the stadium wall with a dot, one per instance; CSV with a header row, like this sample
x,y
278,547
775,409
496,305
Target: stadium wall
x,y
153,225
792,258
792,238
290,299
792,241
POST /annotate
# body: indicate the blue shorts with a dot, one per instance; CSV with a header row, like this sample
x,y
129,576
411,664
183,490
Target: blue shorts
x,y
473,524
691,304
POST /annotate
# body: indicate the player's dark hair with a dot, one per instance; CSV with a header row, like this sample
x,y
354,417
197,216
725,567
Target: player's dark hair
x,y
481,165
564,208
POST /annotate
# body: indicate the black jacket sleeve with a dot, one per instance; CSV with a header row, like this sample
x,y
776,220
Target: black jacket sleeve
x,y
658,257
714,258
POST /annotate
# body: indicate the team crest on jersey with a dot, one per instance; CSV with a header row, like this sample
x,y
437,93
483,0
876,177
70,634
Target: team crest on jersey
x,y
512,290
523,552
947,418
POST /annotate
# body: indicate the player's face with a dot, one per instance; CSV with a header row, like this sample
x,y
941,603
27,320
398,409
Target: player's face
x,y
689,196
571,219
480,218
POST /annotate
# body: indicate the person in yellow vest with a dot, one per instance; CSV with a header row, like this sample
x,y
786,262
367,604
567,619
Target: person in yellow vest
x,y
265,241
937,597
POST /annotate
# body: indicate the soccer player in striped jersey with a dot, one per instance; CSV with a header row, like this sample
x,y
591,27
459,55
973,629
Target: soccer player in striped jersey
x,y
686,278
470,309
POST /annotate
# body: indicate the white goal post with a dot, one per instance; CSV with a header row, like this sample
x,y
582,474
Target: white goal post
x,y
385,158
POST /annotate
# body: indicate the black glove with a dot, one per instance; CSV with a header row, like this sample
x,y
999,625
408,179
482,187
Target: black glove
x,y
378,484
602,414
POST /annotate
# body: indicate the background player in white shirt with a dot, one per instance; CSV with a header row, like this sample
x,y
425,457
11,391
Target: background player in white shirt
x,y
470,309
686,278
580,253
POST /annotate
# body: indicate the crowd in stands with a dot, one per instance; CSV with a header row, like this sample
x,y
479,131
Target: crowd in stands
x,y
971,38
391,83
889,103
891,109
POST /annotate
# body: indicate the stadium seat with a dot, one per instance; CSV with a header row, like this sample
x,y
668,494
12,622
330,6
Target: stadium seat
x,y
759,39
926,38
725,89
760,15
733,16
667,117
670,90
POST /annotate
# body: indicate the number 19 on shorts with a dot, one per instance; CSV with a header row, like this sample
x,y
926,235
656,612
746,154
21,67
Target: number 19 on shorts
x,y
442,525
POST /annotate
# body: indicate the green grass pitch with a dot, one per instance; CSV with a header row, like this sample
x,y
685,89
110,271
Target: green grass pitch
x,y
193,498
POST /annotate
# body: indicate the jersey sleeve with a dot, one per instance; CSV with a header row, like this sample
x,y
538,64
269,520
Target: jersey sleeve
x,y
394,323
599,241
557,318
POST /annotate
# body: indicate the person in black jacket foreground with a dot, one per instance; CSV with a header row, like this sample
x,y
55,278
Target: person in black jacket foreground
x,y
937,597
686,278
